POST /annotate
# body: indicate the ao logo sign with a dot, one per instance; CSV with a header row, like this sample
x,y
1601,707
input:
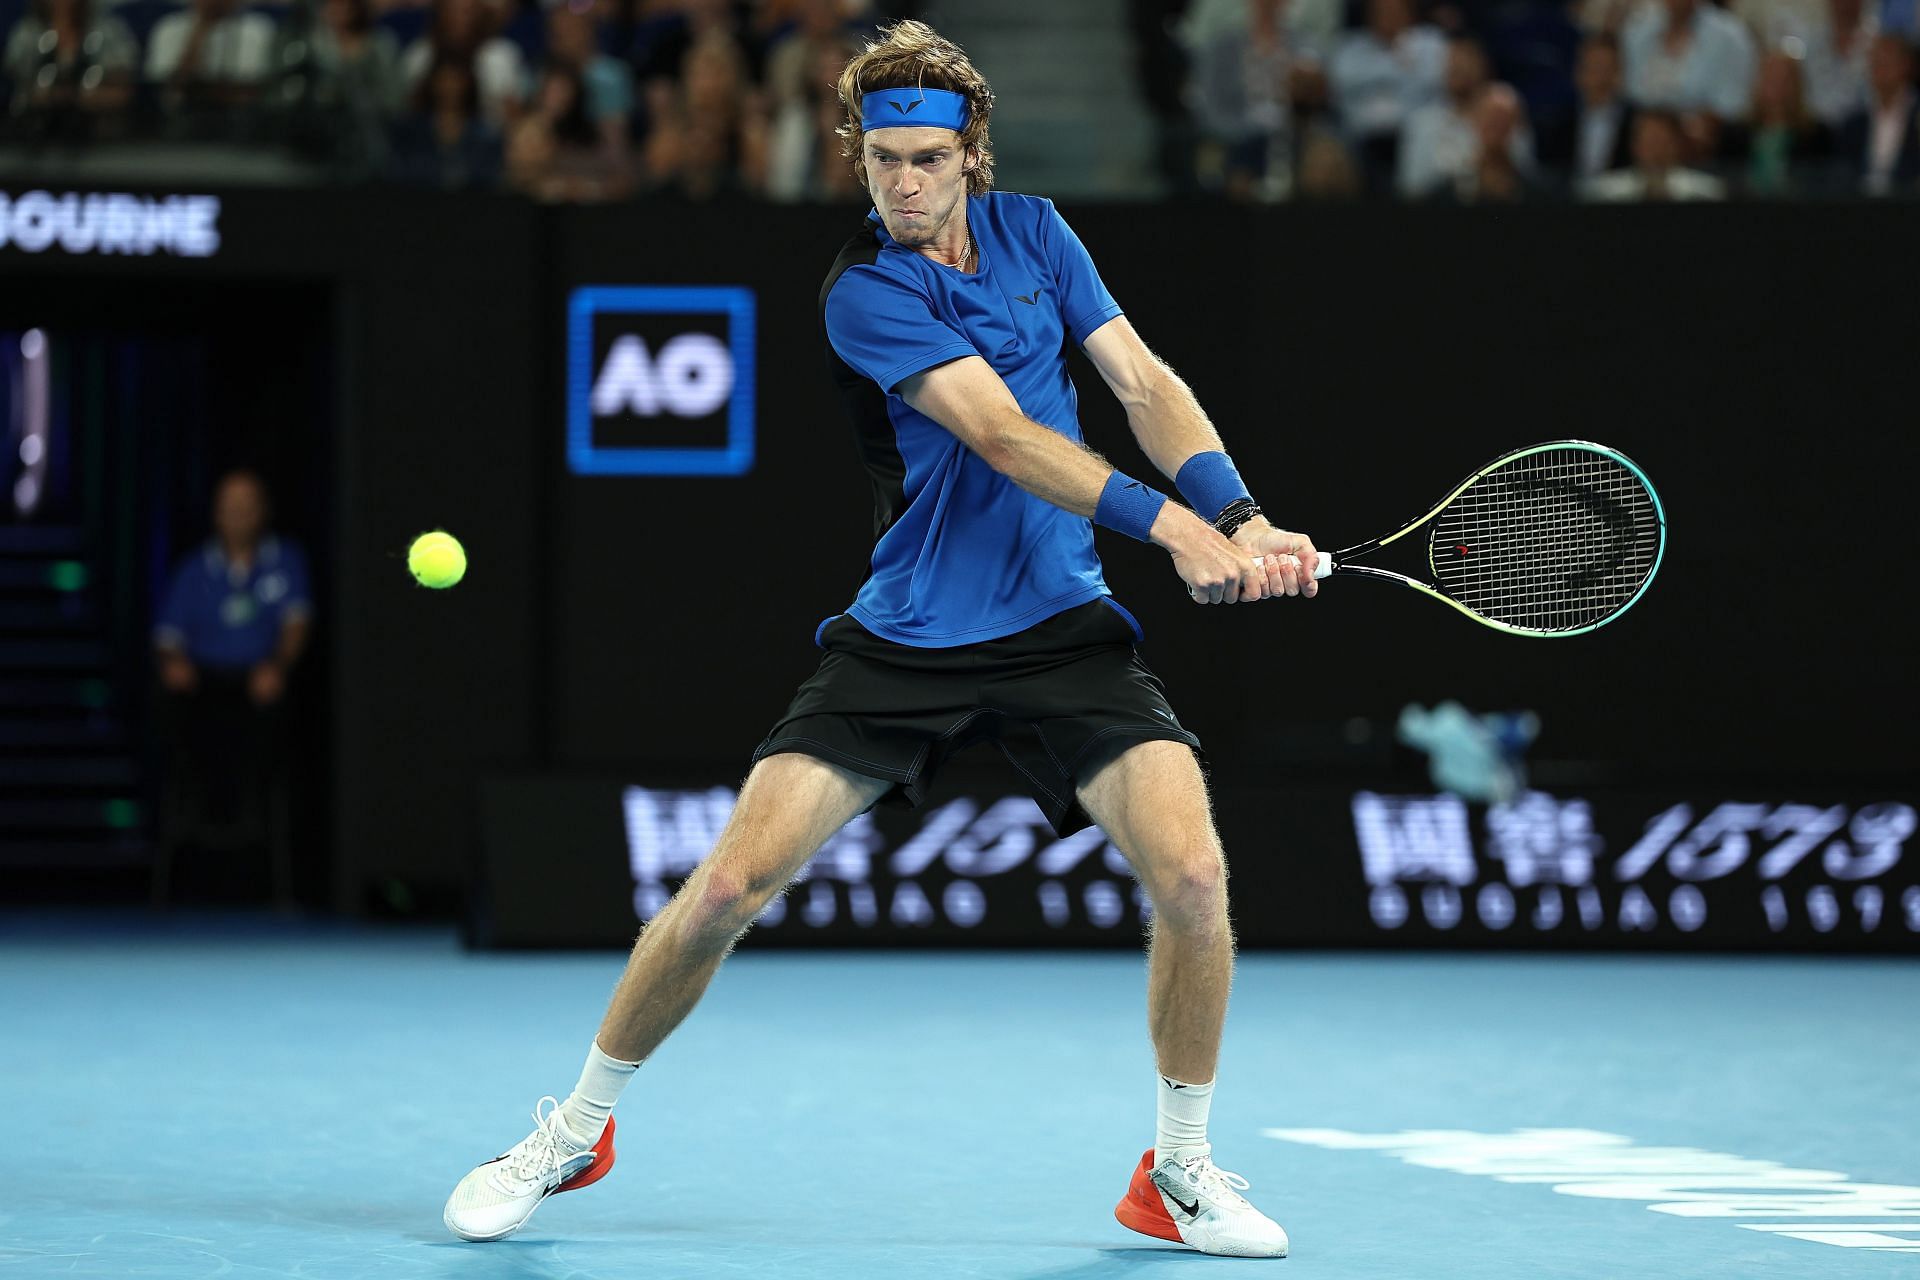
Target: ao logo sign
x,y
660,380
691,378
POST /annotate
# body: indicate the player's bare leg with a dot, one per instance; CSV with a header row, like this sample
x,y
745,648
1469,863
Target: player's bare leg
x,y
1151,800
787,809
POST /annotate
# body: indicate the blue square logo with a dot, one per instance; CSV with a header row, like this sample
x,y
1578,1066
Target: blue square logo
x,y
660,380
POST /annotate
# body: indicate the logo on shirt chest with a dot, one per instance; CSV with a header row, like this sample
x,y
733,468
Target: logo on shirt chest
x,y
1029,298
238,609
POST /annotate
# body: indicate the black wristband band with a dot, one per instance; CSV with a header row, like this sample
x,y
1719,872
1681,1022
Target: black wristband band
x,y
1238,512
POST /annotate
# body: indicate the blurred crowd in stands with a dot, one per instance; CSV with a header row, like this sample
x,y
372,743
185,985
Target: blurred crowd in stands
x,y
564,100
1500,100
1459,101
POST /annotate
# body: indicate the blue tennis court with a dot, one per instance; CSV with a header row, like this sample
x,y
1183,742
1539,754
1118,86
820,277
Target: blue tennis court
x,y
214,1096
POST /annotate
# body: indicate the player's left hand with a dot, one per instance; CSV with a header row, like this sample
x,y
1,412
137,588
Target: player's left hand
x,y
1289,558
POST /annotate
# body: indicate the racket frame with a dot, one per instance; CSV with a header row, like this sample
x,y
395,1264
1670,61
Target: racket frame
x,y
1337,562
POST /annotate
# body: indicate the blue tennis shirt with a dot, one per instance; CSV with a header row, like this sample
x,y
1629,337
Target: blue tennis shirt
x,y
961,553
222,615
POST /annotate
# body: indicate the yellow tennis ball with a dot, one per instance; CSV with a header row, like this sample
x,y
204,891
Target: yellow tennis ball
x,y
437,559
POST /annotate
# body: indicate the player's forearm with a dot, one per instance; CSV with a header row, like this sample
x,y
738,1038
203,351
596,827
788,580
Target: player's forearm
x,y
1050,466
1169,423
1047,464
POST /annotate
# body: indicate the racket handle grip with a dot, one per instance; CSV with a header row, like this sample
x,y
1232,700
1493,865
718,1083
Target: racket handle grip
x,y
1324,568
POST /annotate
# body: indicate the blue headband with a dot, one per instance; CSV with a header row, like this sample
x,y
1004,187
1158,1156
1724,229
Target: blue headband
x,y
914,109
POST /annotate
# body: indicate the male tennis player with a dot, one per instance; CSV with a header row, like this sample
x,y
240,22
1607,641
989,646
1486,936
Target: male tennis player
x,y
984,619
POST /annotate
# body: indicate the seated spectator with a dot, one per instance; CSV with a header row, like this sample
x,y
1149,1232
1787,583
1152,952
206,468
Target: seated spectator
x,y
1597,139
665,33
1498,171
1785,140
804,160
1440,145
821,24
353,69
556,151
230,631
1771,20
709,134
1312,29
1604,17
69,65
1312,25
464,31
1243,93
359,61
719,161
1659,146
444,141
1835,41
1378,75
1878,145
210,54
1691,58
1532,45
1326,171
573,43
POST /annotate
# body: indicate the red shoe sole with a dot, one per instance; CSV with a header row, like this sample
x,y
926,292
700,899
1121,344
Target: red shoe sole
x,y
601,1166
1142,1210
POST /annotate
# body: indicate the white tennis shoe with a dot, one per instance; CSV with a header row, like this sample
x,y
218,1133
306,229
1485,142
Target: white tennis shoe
x,y
497,1198
1198,1203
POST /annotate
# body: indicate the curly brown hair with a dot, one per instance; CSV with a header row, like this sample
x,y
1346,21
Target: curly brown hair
x,y
912,55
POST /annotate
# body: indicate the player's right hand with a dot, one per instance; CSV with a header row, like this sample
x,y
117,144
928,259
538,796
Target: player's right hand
x,y
1215,571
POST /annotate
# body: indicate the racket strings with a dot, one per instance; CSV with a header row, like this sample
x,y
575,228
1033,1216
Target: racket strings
x,y
1551,541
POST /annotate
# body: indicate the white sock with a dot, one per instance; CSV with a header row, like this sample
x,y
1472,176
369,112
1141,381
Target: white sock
x,y
586,1109
1182,1131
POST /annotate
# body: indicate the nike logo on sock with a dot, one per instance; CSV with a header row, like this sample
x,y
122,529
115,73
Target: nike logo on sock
x,y
1163,1080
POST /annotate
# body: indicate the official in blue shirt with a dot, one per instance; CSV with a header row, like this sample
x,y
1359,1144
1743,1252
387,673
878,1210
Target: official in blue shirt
x,y
984,619
240,603
231,627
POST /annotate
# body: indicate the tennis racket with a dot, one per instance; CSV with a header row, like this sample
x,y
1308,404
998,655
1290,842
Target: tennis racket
x,y
1552,540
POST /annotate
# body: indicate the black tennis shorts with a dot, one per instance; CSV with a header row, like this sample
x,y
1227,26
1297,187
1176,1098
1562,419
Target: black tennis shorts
x,y
1057,700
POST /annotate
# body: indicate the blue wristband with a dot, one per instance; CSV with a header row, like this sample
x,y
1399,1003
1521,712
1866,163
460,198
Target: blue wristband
x,y
1128,506
1209,482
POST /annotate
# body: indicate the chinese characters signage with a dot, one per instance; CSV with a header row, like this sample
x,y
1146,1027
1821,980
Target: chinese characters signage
x,y
1545,865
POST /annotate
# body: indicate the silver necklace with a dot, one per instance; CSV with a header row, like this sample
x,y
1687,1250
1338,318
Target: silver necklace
x,y
965,249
